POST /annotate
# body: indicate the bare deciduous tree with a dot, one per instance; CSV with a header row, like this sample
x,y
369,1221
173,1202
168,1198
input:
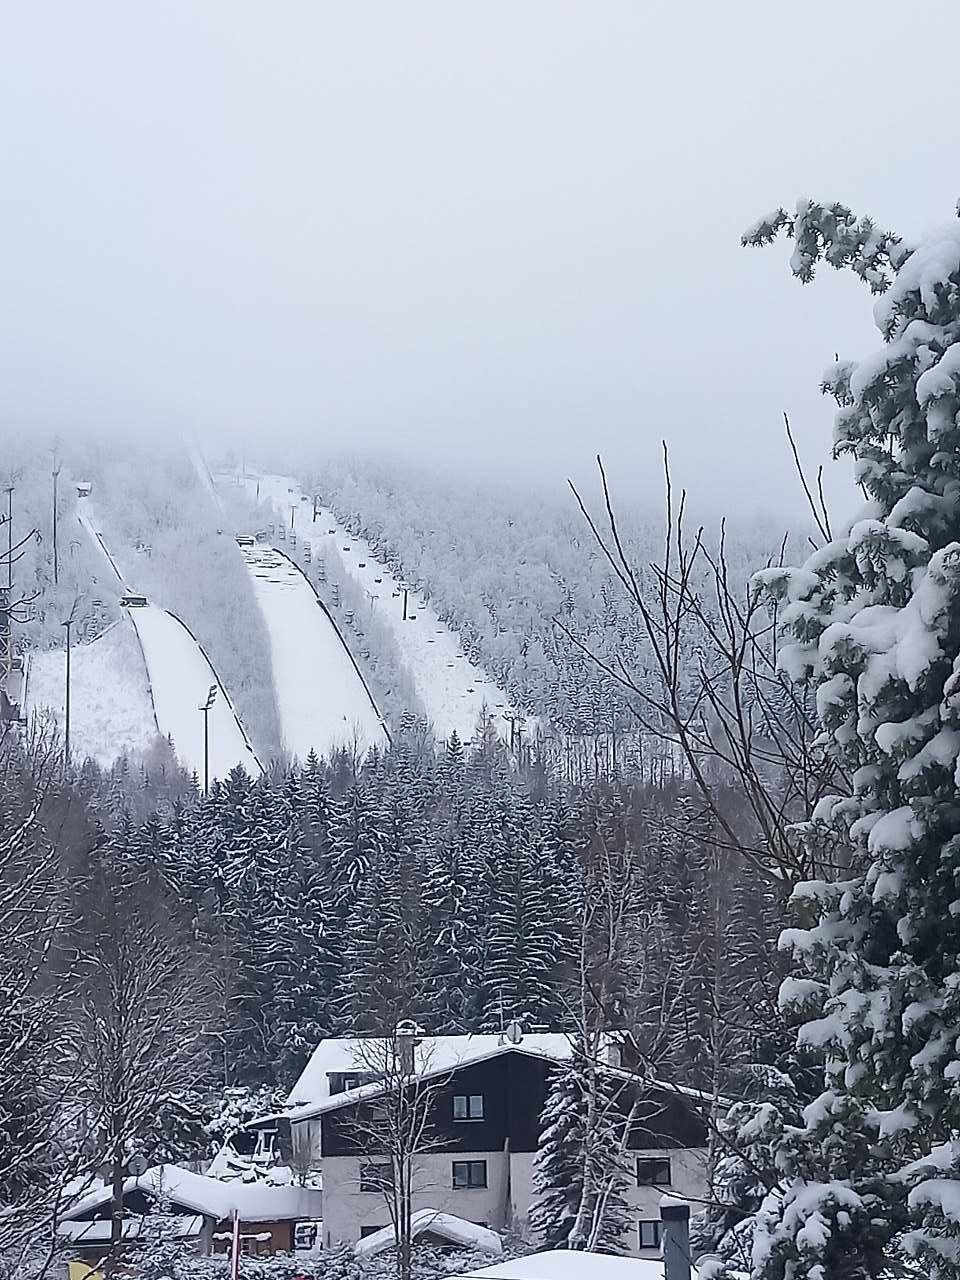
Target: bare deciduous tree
x,y
716,693
396,1124
144,1005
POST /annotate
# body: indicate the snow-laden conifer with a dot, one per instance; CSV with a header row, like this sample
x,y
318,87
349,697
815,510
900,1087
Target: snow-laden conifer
x,y
872,619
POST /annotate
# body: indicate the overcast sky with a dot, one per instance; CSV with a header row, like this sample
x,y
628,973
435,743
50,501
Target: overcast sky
x,y
505,232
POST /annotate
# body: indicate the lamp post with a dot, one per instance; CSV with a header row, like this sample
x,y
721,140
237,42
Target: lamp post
x,y
205,708
67,624
56,559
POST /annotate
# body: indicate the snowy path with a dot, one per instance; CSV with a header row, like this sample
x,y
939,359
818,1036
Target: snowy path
x,y
180,675
452,689
321,696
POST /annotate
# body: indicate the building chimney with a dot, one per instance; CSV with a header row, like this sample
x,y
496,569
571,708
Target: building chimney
x,y
675,1238
406,1033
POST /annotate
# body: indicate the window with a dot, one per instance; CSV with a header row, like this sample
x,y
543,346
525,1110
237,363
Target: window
x,y
375,1177
468,1106
653,1173
650,1234
369,1231
304,1235
469,1174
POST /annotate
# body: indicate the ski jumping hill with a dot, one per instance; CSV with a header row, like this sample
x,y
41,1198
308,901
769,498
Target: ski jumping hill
x,y
180,676
453,690
322,698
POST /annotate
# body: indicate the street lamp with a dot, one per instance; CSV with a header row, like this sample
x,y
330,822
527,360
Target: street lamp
x,y
205,708
67,624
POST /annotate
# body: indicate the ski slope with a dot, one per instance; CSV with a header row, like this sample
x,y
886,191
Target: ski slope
x,y
453,690
180,675
321,696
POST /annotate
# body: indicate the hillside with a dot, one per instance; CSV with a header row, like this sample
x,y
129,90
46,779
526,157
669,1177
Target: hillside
x,y
510,572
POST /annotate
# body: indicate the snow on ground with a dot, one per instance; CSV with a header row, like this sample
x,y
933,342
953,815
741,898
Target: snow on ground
x,y
180,678
453,690
567,1264
321,696
110,708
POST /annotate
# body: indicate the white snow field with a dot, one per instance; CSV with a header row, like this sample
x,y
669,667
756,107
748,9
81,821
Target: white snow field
x,y
110,708
452,689
321,696
179,676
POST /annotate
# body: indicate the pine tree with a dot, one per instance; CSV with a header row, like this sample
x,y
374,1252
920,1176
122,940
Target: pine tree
x,y
873,619
580,1172
556,1164
525,951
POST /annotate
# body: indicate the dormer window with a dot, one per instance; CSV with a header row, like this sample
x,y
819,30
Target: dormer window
x,y
341,1081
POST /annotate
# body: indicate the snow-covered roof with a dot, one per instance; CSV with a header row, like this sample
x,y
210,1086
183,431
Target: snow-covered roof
x,y
434,1055
184,1227
567,1264
255,1202
448,1225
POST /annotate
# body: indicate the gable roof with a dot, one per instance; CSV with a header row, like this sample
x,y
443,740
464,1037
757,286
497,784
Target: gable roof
x,y
448,1225
197,1193
433,1056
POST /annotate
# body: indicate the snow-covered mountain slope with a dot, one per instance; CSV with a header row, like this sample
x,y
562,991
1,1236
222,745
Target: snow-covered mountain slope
x,y
453,690
321,695
110,708
179,675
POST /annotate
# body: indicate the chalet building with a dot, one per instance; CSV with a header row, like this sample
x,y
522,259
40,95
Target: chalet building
x,y
484,1097
175,1204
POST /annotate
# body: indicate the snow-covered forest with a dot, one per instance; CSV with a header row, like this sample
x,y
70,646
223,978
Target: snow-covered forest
x,y
415,863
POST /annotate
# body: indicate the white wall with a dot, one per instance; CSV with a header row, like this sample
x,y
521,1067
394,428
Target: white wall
x,y
688,1174
346,1209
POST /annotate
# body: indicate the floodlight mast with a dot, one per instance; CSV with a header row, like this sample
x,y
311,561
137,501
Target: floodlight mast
x,y
205,708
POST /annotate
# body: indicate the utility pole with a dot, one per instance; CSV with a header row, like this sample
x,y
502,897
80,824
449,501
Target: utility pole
x,y
68,626
9,492
405,604
205,708
293,512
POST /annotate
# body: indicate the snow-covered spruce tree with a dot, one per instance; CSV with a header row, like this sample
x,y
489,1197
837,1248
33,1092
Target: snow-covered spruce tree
x,y
873,622
580,1171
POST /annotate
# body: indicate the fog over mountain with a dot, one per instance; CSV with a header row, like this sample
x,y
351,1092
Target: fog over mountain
x,y
501,235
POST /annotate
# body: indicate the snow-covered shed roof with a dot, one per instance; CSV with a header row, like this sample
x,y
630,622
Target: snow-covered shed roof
x,y
253,1201
567,1264
433,1055
448,1225
185,1227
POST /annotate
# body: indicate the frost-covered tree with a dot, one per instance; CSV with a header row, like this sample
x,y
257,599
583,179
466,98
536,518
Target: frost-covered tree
x,y
580,1169
872,621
